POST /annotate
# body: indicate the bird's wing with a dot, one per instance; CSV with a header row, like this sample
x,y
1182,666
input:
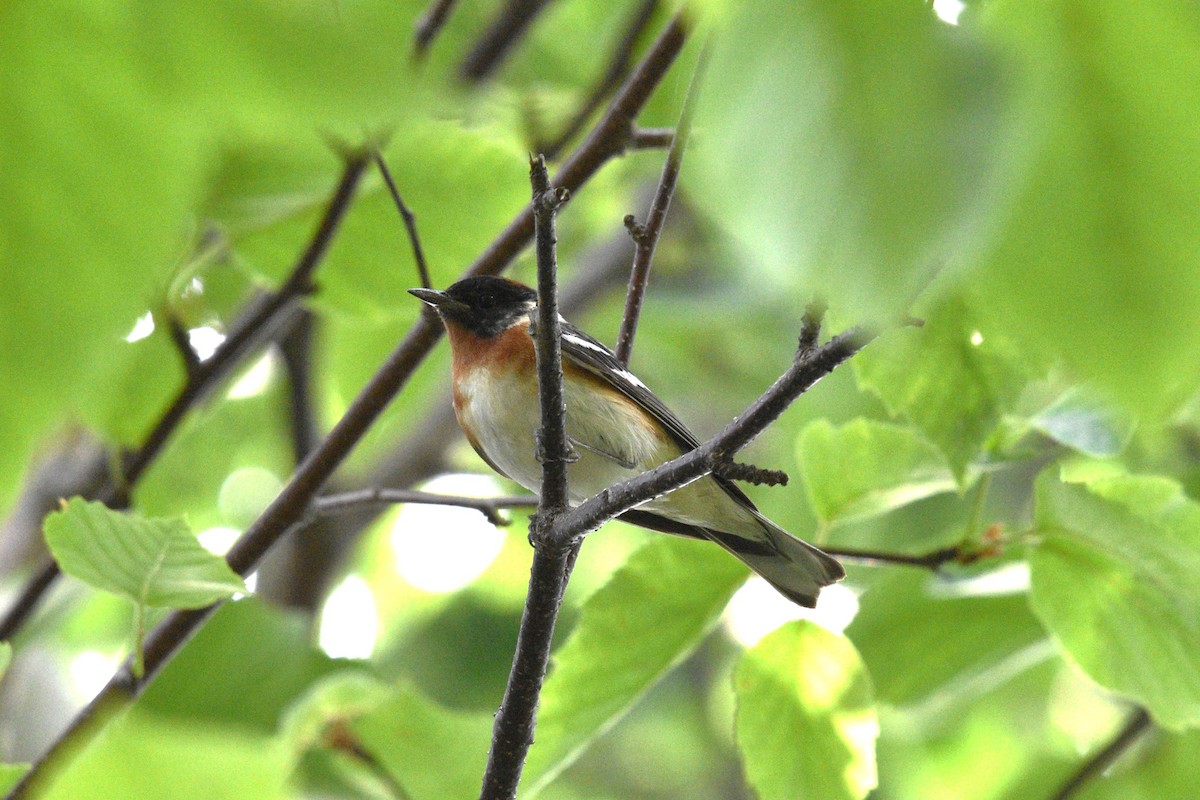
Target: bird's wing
x,y
584,352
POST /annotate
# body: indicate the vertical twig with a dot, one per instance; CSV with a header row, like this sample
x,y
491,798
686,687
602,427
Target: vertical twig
x,y
512,733
410,221
645,237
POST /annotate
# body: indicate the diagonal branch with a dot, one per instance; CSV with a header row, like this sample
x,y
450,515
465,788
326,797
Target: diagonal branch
x,y
608,139
354,499
1138,724
645,236
410,221
260,320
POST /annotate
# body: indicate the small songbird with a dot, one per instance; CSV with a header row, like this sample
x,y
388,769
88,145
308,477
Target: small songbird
x,y
616,425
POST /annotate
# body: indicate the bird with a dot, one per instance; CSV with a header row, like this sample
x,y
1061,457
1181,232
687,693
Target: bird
x,y
617,426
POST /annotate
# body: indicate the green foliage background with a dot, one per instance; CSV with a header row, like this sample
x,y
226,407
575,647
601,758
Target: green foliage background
x,y
1026,181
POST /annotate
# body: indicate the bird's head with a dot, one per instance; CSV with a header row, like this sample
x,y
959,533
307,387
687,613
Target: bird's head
x,y
484,305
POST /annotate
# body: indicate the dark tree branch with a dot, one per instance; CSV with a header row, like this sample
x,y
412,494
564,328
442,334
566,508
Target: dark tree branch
x,y
257,323
748,473
410,222
499,39
810,327
488,506
645,236
296,349
512,732
608,139
618,65
1138,724
429,24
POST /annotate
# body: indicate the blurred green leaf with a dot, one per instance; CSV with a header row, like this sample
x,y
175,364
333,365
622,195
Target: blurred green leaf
x,y
849,142
1085,423
806,723
1094,254
265,659
430,751
1163,766
951,378
644,621
921,643
154,562
865,468
1116,580
331,701
10,774
139,755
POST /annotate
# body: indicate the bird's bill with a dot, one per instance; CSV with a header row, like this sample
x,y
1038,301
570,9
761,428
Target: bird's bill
x,y
435,298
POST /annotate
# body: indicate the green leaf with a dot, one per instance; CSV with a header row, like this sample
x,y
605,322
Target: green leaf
x,y
644,621
866,468
922,642
1161,766
275,660
1116,580
849,142
5,657
139,755
806,723
1085,423
953,378
432,752
154,562
333,700
10,774
1094,255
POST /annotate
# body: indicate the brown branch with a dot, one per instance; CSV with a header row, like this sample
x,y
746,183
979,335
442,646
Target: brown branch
x,y
618,66
645,236
1138,724
608,139
428,25
410,222
932,560
748,473
512,732
183,344
490,507
499,38
258,322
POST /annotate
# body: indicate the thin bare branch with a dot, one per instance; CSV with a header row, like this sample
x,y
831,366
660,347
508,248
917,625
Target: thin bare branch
x,y
490,507
429,24
645,236
410,221
749,473
618,66
183,344
932,560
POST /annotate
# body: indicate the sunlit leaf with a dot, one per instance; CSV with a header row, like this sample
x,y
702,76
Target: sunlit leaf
x,y
951,378
1116,580
847,141
154,562
806,723
866,468
139,755
1094,254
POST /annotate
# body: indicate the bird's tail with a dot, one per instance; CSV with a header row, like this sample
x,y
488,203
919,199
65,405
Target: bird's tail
x,y
795,568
